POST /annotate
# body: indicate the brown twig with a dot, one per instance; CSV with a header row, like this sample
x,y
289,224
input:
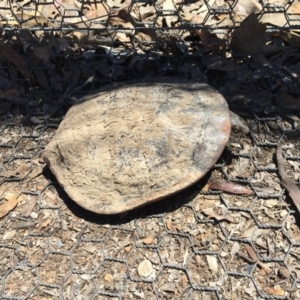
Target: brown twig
x,y
255,258
286,181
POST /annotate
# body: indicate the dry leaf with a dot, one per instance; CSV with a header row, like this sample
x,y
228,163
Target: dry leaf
x,y
6,84
123,16
169,224
287,101
9,187
247,7
123,37
203,35
35,173
119,4
254,257
192,18
142,36
61,10
248,233
278,19
10,195
36,69
13,95
10,203
29,205
169,5
52,197
22,169
276,292
97,11
115,21
249,37
217,62
230,187
178,227
205,188
211,214
271,203
20,172
292,38
9,54
45,223
29,19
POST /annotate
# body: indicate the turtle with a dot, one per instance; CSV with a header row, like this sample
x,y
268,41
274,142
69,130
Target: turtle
x,y
134,143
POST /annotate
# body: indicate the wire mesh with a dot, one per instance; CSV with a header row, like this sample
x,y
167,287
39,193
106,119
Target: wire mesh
x,y
53,249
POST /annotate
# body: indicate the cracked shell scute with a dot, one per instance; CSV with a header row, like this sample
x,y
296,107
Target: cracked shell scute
x,y
137,143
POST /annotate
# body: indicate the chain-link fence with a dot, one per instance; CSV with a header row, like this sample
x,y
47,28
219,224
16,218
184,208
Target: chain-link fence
x,y
200,244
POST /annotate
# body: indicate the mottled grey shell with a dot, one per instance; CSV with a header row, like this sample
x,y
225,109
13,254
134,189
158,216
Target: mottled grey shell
x,y
136,143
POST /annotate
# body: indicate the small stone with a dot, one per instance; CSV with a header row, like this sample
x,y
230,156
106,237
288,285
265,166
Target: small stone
x,y
34,215
284,273
108,277
127,249
9,235
145,269
86,276
148,241
223,254
283,213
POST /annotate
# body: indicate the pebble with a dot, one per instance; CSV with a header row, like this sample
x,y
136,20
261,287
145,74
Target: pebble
x,y
145,269
284,273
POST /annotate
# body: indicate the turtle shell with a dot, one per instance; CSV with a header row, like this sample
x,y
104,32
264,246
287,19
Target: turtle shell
x,y
131,144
